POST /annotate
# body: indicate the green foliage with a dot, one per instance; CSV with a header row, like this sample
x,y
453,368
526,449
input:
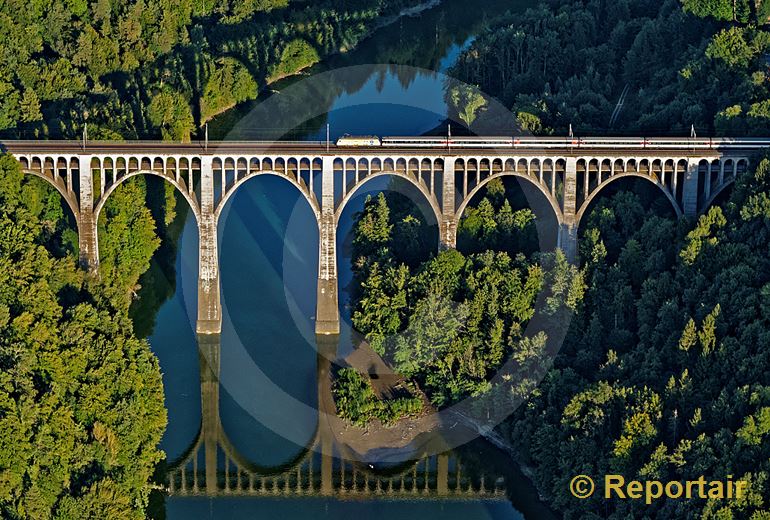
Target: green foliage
x,y
755,427
663,373
170,112
233,11
719,9
357,402
569,62
382,304
737,46
127,240
529,123
703,236
228,84
452,321
81,399
493,224
297,55
467,101
373,228
756,207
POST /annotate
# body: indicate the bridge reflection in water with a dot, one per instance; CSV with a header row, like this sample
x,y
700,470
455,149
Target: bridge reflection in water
x,y
212,466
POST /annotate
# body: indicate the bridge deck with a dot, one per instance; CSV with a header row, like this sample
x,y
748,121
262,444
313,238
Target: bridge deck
x,y
320,148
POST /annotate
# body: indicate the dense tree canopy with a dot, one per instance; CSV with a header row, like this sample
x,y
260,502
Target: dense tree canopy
x,y
138,68
572,62
81,399
664,372
450,321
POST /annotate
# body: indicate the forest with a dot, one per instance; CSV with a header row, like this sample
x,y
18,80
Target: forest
x,y
664,369
81,400
669,64
158,69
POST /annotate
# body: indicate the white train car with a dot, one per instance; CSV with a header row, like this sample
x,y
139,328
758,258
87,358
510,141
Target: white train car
x,y
613,142
414,142
743,143
590,143
481,142
358,141
444,142
543,142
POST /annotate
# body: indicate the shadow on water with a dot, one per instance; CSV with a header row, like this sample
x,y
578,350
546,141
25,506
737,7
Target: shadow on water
x,y
173,341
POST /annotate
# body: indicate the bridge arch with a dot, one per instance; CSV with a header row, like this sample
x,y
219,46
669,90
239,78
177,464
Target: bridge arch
x,y
68,196
729,169
511,173
429,197
311,200
189,197
626,175
49,168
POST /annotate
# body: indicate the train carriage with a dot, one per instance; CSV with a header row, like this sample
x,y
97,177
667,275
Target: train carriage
x,y
531,142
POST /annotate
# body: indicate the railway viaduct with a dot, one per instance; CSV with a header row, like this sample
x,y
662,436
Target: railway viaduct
x,y
328,177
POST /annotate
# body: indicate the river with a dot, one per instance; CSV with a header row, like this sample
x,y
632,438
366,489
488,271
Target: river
x,y
268,362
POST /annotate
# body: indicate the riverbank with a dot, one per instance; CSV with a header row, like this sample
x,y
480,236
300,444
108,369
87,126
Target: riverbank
x,y
370,442
386,21
538,507
410,436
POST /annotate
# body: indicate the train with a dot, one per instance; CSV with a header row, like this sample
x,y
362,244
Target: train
x,y
553,142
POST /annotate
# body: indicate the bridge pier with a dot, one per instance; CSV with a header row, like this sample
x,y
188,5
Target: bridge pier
x,y
690,189
327,306
447,233
88,240
567,240
448,225
209,308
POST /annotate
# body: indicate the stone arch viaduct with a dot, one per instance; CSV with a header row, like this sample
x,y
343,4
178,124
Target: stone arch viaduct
x,y
328,177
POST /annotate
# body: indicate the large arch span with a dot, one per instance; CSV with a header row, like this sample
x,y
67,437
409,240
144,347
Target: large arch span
x,y
627,175
511,173
231,190
429,197
189,196
232,171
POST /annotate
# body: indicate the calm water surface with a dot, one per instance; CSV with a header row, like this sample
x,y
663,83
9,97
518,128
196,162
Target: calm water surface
x,y
268,362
